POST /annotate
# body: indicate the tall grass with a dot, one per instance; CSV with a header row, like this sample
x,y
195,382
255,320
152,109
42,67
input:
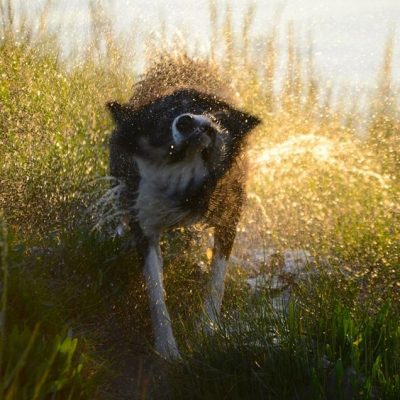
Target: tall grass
x,y
313,184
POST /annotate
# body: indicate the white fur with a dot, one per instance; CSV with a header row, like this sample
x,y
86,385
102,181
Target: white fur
x,y
156,206
165,341
216,292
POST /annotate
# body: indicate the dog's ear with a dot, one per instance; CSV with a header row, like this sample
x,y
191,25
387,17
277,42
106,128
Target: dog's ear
x,y
238,123
128,124
243,121
121,114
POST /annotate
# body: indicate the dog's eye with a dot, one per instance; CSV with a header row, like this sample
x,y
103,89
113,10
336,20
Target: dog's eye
x,y
186,123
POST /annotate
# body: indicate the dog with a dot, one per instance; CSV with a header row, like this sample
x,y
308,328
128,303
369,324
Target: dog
x,y
181,161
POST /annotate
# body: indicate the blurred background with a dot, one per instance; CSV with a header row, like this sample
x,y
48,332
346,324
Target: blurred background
x,y
347,36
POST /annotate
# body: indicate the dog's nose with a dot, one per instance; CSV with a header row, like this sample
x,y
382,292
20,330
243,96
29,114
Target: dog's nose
x,y
186,124
191,128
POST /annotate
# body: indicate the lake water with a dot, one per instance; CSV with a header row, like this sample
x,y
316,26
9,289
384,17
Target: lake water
x,y
349,35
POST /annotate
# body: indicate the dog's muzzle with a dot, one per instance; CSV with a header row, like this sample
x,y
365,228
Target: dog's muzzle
x,y
193,130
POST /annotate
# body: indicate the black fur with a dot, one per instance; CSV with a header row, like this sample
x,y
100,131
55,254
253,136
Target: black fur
x,y
225,182
145,134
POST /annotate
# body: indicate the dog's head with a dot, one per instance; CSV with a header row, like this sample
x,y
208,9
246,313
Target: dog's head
x,y
181,126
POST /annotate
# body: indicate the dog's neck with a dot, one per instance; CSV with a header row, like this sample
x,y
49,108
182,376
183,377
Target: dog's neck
x,y
163,192
174,179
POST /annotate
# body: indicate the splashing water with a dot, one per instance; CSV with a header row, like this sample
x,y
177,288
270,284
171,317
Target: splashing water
x,y
308,192
106,212
312,192
321,149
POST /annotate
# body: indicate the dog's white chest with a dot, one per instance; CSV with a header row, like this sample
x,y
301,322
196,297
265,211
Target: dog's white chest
x,y
162,190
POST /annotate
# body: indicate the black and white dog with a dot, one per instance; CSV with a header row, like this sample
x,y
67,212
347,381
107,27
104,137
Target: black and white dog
x,y
181,160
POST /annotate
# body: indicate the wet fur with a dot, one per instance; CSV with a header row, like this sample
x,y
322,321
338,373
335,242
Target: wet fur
x,y
166,185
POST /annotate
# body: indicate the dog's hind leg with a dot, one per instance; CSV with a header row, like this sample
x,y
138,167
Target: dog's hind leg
x,y
150,251
223,242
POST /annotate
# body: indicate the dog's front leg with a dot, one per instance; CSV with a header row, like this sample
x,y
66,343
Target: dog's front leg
x,y
165,343
223,241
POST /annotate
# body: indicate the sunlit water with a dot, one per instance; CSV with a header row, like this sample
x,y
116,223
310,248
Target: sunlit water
x,y
296,191
299,188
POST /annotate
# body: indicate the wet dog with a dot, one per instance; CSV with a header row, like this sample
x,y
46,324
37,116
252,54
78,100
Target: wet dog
x,y
181,160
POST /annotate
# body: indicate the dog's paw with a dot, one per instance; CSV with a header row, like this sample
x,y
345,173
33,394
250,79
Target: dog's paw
x,y
168,350
208,321
206,325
